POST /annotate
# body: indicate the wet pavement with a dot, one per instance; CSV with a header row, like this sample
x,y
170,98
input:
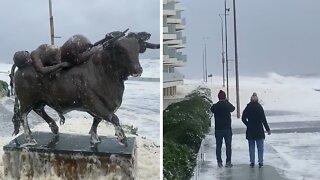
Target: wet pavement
x,y
207,166
208,169
243,172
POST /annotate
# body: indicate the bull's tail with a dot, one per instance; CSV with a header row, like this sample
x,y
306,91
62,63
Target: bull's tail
x,y
16,116
13,68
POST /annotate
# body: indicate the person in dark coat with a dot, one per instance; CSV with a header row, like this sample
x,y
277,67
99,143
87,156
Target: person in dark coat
x,y
254,118
222,115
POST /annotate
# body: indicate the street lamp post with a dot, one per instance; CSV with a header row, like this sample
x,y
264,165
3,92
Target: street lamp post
x,y
205,60
205,69
51,23
222,52
226,35
236,59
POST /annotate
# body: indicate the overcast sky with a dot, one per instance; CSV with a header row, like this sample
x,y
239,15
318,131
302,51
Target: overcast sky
x,y
280,36
24,24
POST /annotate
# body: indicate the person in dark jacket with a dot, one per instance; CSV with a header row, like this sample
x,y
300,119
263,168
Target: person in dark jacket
x,y
222,115
253,117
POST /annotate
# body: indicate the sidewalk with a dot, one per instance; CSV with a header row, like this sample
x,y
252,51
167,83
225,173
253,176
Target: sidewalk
x,y
243,172
208,169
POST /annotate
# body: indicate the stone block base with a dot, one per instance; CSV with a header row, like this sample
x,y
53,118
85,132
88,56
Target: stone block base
x,y
69,156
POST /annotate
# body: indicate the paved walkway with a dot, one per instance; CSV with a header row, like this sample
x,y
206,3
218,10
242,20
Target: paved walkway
x,y
207,167
243,172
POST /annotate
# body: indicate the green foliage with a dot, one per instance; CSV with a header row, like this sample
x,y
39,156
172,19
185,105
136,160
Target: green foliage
x,y
184,126
186,122
178,160
3,88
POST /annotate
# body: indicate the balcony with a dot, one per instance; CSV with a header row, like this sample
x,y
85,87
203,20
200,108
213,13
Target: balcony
x,y
169,37
174,20
172,77
169,5
164,23
165,29
172,57
169,12
181,26
173,42
172,28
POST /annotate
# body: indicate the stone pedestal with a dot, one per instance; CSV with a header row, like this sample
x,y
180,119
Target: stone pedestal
x,y
69,156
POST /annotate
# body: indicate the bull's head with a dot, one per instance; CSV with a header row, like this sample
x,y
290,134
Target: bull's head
x,y
142,37
127,53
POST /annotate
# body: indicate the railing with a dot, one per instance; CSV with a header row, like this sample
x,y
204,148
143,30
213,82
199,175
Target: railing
x,y
181,57
171,77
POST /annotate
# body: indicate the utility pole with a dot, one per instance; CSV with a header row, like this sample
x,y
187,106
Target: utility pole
x,y
205,69
51,23
222,52
236,58
203,66
226,34
205,59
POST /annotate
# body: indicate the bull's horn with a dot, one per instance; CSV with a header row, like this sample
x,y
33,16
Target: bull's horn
x,y
114,39
152,46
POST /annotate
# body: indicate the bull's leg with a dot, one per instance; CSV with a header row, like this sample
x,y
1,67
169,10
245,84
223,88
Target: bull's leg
x,y
93,131
27,131
52,124
118,130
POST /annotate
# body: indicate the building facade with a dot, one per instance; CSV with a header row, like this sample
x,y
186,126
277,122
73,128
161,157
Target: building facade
x,y
173,41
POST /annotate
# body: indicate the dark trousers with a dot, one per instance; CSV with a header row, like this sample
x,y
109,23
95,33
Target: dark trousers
x,y
227,136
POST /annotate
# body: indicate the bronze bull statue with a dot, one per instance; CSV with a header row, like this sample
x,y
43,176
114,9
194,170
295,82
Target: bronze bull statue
x,y
95,86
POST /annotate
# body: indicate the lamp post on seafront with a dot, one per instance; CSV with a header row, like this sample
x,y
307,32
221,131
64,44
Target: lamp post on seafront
x,y
226,44
222,51
51,23
205,69
236,59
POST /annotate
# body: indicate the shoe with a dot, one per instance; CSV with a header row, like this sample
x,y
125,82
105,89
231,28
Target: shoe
x,y
260,165
228,164
220,164
252,165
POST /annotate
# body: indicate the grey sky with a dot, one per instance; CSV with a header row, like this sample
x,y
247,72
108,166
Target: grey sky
x,y
25,23
273,36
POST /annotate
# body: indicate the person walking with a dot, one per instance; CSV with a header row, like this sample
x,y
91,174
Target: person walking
x,y
253,117
222,116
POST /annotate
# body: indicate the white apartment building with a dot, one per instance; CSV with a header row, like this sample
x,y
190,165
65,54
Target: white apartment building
x,y
173,25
